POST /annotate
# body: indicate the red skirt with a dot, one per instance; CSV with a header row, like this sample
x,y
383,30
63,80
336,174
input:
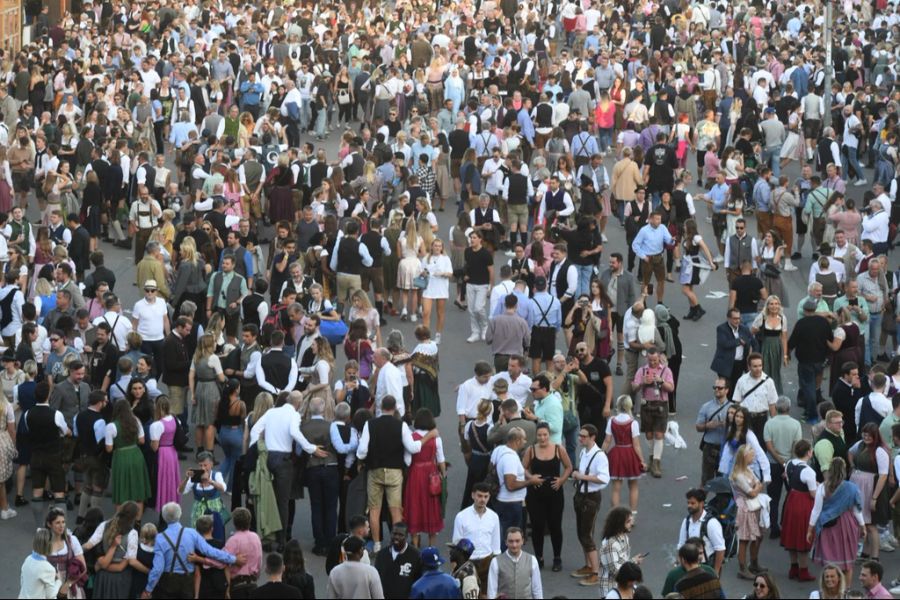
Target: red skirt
x,y
624,463
421,510
794,521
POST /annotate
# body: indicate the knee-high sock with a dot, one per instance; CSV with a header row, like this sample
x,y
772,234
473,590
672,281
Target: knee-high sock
x,y
657,449
86,498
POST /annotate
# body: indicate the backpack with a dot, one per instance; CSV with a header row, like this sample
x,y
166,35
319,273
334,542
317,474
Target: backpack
x,y
6,313
867,413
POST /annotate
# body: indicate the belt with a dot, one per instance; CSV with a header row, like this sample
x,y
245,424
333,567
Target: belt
x,y
756,414
322,466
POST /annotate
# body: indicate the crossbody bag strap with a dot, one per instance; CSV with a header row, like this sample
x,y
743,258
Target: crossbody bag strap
x,y
753,389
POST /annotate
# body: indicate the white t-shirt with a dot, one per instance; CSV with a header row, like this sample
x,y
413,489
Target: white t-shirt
x,y
438,287
150,319
508,463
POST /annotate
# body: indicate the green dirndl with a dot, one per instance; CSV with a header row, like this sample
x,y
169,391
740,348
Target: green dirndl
x,y
129,476
773,356
209,502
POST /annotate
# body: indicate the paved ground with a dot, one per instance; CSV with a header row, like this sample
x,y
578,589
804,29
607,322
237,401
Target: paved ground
x,y
661,503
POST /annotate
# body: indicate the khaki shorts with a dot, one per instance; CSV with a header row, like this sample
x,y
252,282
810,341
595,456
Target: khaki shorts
x,y
518,215
385,481
347,283
375,276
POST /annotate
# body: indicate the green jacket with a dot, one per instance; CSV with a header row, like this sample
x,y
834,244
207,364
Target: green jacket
x,y
267,519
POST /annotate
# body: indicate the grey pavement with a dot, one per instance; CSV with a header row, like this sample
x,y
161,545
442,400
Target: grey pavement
x,y
661,508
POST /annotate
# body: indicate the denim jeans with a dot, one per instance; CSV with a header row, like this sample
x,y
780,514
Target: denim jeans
x,y
806,396
585,272
232,441
510,515
605,138
747,319
872,336
305,114
570,440
852,159
773,155
324,486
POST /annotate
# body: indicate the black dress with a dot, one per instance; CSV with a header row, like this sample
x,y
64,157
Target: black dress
x,y
213,583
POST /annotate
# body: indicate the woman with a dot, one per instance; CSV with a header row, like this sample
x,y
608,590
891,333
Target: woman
x,y
848,221
850,349
459,241
838,505
764,587
771,326
832,585
261,405
229,419
357,347
439,269
801,484
403,360
204,378
770,256
207,486
361,308
162,441
117,542
279,184
476,449
793,146
425,368
10,382
38,578
667,328
628,579
545,502
746,486
295,570
581,325
740,435
565,383
66,555
870,460
622,445
93,207
321,378
318,304
615,548
421,505
190,280
605,119
129,476
410,247
691,267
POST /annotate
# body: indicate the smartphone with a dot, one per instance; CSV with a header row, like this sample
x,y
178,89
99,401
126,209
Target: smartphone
x,y
644,555
197,476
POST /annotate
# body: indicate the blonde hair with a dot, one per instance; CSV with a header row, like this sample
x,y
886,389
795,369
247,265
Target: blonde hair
x,y
741,461
412,237
188,250
624,404
206,347
261,404
148,534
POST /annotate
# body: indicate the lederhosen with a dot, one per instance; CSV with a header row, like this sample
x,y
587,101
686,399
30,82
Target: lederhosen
x,y
172,584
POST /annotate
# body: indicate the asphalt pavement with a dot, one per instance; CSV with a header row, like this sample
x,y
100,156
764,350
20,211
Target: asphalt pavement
x,y
661,507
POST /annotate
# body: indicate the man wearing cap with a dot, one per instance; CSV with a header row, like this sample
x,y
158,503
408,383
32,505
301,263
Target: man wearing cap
x,y
434,583
353,578
464,571
151,319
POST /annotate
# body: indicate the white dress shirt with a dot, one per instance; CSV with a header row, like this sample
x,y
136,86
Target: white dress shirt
x,y
282,428
389,383
537,590
599,467
410,446
762,397
482,530
470,394
261,375
880,403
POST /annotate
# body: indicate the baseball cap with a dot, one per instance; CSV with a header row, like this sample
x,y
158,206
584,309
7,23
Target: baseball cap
x,y
464,546
431,557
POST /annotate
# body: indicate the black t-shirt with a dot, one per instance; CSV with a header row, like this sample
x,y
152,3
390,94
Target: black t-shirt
x,y
459,143
662,163
277,590
596,372
810,338
747,289
477,264
582,239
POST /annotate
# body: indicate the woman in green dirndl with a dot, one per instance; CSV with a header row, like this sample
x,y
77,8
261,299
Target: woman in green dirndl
x,y
425,373
207,486
129,476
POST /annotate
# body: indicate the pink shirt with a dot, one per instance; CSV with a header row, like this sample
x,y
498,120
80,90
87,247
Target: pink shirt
x,y
711,165
248,544
652,393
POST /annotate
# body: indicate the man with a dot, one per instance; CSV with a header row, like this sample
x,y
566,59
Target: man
x,y
11,302
830,444
464,571
243,259
508,334
433,583
348,260
876,226
55,368
246,543
282,430
515,573
90,427
250,356
500,291
358,525
65,282
703,525
353,578
79,247
873,407
275,586
591,477
650,247
151,320
472,392
102,356
584,244
756,392
519,384
379,248
871,573
276,372
384,443
653,383
399,565
176,366
150,268
711,423
100,273
389,382
481,525
633,346
172,574
321,477
510,417
479,277
733,343
871,288
747,290
781,432
774,135
622,287
696,581
545,319
857,305
513,480
547,407
70,397
143,218
739,247
845,395
47,428
226,290
563,279
811,340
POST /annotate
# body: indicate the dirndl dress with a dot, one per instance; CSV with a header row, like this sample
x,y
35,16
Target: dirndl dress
x,y
113,585
865,474
209,502
690,269
129,472
837,544
206,393
167,471
797,509
623,459
421,509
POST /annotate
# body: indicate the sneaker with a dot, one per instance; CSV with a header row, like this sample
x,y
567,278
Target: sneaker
x,y
437,338
619,371
473,338
413,318
790,267
604,238
861,182
7,514
590,580
796,256
885,546
21,501
509,254
719,259
583,572
403,315
895,591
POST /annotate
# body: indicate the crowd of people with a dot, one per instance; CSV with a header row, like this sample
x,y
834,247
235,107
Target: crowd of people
x,y
193,135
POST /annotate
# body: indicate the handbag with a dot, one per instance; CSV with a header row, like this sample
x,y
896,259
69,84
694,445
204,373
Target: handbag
x,y
343,97
76,572
752,504
421,281
435,483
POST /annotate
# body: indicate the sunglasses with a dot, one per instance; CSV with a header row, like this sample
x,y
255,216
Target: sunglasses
x,y
150,290
55,339
718,387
